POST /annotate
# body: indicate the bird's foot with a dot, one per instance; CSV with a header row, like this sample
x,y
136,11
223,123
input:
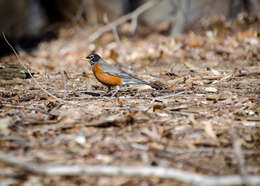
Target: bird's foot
x,y
111,92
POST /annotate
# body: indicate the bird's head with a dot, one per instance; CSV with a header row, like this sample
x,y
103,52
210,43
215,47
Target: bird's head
x,y
92,58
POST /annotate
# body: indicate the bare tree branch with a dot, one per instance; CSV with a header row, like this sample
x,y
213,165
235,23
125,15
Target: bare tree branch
x,y
161,172
181,17
133,15
116,36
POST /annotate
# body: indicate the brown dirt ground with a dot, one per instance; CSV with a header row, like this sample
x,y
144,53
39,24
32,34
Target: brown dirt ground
x,y
211,98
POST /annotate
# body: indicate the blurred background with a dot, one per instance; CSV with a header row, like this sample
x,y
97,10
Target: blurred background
x,y
27,22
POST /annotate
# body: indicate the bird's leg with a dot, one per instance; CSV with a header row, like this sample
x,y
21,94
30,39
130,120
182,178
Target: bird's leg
x,y
108,90
115,91
125,88
111,92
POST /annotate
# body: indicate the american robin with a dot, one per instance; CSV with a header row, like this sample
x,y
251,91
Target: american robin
x,y
110,76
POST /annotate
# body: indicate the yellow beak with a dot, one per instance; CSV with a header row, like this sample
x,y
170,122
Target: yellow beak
x,y
85,59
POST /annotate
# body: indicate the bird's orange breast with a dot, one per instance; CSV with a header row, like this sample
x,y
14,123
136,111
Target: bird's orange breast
x,y
105,79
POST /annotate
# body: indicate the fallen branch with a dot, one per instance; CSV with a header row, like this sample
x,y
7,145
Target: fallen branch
x,y
161,172
131,16
239,156
8,181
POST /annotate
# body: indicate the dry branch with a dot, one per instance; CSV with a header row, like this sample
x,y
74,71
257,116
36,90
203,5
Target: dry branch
x,y
239,156
131,16
116,36
161,172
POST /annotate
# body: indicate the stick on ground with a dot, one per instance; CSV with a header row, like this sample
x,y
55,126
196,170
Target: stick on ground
x,y
141,171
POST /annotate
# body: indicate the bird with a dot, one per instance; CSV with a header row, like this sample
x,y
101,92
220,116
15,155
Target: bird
x,y
111,76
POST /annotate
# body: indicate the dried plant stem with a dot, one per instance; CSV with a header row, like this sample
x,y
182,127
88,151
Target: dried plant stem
x,y
29,72
109,170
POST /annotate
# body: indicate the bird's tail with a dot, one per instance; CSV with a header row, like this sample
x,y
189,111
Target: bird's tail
x,y
157,87
141,82
153,85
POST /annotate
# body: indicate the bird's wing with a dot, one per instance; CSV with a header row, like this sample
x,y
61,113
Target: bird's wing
x,y
127,78
111,70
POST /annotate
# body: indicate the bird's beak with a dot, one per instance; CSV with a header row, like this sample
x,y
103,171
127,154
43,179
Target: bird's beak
x,y
85,59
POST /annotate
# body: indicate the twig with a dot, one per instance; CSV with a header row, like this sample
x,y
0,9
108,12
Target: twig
x,y
227,77
29,72
161,172
114,30
7,182
65,77
22,107
160,98
133,15
239,156
36,82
